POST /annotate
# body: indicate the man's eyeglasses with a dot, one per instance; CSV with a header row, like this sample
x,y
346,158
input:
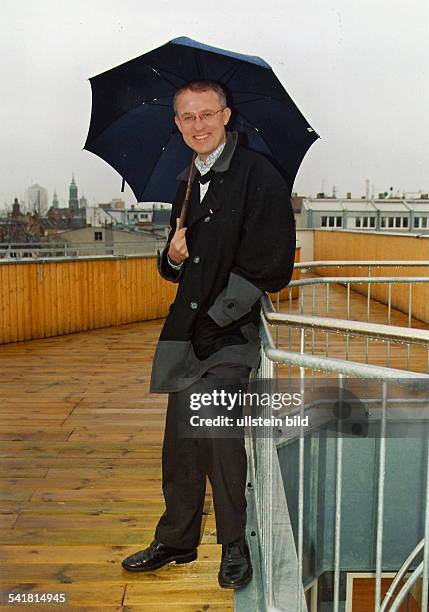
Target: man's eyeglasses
x,y
206,116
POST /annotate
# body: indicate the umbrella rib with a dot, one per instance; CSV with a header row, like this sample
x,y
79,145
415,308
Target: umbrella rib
x,y
168,72
152,103
163,77
233,70
255,129
158,158
199,65
253,100
260,97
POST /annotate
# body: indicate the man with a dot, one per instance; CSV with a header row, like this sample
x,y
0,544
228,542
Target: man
x,y
238,241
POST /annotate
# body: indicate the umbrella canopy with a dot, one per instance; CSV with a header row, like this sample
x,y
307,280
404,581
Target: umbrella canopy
x,y
132,122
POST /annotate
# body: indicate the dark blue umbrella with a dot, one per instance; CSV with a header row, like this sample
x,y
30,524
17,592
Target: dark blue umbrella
x,y
132,123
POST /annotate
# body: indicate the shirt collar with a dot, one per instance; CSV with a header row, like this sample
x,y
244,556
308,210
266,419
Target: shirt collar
x,y
224,160
204,166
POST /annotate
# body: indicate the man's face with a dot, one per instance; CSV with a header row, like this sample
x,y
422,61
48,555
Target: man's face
x,y
201,120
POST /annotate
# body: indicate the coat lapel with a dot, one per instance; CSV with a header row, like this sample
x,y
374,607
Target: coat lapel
x,y
211,203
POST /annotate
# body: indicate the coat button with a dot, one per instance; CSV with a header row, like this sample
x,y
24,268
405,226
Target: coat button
x,y
193,305
207,219
196,259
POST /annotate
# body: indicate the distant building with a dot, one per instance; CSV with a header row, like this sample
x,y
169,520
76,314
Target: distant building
x,y
296,202
55,202
117,203
384,214
60,219
16,208
109,241
73,199
144,216
37,199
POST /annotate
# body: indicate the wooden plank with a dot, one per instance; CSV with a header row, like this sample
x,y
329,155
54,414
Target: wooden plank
x,y
112,573
148,593
123,508
13,302
93,554
8,334
136,537
20,302
3,310
60,299
143,520
364,595
7,521
91,290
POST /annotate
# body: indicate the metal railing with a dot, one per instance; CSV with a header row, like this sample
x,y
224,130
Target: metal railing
x,y
401,574
321,305
50,250
263,455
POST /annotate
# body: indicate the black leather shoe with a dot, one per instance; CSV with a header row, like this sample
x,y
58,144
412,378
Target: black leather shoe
x,y
157,555
235,568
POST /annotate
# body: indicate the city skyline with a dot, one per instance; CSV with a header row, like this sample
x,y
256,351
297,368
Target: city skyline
x,y
357,72
63,199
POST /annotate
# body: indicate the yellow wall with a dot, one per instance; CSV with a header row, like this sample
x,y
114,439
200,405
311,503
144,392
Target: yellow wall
x,y
343,245
39,299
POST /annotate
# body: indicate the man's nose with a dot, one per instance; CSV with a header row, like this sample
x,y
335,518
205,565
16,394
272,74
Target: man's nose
x,y
198,123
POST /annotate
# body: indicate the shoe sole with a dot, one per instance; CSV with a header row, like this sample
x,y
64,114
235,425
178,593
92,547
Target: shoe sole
x,y
227,585
179,560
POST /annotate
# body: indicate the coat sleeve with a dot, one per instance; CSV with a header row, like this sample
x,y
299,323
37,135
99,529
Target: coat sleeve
x,y
266,253
165,269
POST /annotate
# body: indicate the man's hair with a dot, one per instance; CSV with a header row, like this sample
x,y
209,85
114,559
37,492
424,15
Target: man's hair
x,y
201,86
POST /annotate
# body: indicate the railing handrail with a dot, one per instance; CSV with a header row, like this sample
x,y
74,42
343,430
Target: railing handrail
x,y
339,366
362,263
357,279
52,245
370,330
70,258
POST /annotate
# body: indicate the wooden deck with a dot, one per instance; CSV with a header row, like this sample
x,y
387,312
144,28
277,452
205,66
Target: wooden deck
x,y
81,480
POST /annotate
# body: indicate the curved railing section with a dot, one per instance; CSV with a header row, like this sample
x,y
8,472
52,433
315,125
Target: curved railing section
x,y
269,498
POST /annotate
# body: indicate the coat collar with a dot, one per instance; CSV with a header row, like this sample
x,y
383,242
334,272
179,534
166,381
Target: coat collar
x,y
223,161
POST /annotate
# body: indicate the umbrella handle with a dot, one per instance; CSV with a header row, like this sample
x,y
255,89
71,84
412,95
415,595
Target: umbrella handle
x,y
185,204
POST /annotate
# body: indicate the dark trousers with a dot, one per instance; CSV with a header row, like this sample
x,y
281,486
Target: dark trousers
x,y
186,462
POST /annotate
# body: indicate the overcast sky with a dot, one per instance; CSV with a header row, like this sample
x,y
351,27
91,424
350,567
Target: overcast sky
x,y
357,69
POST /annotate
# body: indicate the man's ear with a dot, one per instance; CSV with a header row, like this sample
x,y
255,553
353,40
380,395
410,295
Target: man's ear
x,y
226,114
177,122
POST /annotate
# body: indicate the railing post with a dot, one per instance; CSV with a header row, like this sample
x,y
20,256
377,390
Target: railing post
x,y
338,494
301,477
425,575
380,501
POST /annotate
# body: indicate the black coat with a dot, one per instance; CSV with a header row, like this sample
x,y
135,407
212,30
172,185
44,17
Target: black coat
x,y
241,243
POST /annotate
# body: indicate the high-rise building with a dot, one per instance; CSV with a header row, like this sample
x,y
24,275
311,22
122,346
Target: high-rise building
x,y
73,199
37,199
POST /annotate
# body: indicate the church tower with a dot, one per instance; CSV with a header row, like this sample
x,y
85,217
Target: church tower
x,y
73,199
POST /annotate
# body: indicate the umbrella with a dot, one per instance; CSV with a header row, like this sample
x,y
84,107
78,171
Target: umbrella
x,y
132,123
